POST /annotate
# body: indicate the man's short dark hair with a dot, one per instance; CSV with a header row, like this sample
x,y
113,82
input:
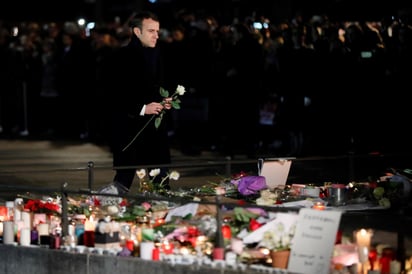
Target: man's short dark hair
x,y
137,20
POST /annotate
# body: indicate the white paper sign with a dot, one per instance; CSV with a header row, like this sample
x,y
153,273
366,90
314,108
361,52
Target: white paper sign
x,y
275,171
182,211
314,241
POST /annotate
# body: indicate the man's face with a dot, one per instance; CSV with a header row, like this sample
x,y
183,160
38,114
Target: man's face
x,y
149,33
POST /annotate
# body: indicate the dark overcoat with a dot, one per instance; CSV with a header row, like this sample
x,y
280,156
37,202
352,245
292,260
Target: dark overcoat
x,y
136,74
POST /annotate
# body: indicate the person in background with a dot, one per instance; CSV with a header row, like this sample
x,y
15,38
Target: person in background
x,y
135,77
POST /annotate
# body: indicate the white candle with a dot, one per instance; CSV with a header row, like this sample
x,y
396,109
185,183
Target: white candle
x,y
10,209
363,237
25,236
18,208
89,224
17,214
395,267
8,232
43,229
363,252
231,258
146,250
26,218
19,225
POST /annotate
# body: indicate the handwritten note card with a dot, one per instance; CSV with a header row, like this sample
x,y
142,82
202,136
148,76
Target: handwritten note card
x,y
314,241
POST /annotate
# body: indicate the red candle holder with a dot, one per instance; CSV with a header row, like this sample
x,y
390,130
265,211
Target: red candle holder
x,y
3,213
167,247
226,232
130,245
373,256
88,238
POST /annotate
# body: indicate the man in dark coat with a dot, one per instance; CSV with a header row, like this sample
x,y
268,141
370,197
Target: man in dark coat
x,y
136,74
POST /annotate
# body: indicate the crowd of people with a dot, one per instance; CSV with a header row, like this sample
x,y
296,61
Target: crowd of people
x,y
307,85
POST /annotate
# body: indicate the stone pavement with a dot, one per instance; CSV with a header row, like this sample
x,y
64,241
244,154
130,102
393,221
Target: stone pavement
x,y
84,165
51,163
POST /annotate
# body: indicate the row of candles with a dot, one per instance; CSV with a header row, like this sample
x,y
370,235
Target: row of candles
x,y
368,257
26,227
17,224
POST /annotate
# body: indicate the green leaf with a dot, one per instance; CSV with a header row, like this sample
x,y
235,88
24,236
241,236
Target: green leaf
x,y
175,105
244,215
163,92
138,211
157,121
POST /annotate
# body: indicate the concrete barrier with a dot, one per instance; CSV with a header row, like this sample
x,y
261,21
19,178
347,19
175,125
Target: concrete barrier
x,y
21,260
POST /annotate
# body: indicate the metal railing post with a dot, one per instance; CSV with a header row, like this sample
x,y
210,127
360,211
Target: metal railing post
x,y
65,216
90,169
228,166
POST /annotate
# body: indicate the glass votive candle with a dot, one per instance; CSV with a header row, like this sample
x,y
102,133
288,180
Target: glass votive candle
x,y
319,206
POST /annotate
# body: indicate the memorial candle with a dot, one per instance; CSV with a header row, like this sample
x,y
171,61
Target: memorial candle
x,y
10,210
43,229
319,206
25,236
130,244
395,267
3,213
89,230
26,218
44,234
363,237
146,250
8,232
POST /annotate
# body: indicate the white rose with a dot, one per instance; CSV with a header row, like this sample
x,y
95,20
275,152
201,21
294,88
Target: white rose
x,y
180,90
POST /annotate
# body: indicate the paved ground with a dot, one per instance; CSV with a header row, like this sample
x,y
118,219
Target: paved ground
x,y
32,164
49,164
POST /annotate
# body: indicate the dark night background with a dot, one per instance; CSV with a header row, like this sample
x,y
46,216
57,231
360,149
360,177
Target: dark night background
x,y
52,10
380,119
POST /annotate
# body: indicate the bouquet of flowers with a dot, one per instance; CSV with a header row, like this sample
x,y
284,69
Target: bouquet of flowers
x,y
44,204
279,238
147,179
391,190
241,184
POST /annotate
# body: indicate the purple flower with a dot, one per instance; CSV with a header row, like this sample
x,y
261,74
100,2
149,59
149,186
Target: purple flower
x,y
249,185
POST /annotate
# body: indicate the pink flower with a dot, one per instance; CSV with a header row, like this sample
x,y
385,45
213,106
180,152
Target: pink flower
x,y
146,206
